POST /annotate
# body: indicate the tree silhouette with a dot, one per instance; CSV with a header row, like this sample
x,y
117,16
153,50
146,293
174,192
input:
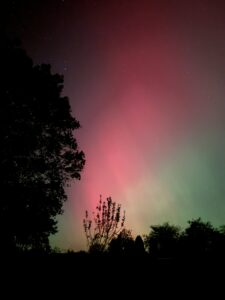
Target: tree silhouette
x,y
38,154
162,241
139,245
201,238
220,242
123,244
107,225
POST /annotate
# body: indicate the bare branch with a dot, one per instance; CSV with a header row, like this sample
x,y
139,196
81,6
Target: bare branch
x,y
107,224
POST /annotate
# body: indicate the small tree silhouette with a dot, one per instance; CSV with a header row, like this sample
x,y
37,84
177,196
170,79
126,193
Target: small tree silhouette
x,y
108,223
123,244
139,246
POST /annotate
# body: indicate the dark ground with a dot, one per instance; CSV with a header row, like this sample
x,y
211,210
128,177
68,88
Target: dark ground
x,y
91,275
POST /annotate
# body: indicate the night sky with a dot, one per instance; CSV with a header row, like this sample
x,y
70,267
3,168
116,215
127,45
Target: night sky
x,y
146,80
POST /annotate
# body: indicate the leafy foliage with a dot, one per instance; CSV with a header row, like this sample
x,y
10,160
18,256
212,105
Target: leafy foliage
x,y
162,240
38,154
122,244
201,238
107,222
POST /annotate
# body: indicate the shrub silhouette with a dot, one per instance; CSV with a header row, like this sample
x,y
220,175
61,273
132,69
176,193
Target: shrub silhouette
x,y
123,244
139,245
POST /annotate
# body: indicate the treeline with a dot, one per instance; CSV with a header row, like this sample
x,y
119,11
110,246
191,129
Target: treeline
x,y
106,234
199,240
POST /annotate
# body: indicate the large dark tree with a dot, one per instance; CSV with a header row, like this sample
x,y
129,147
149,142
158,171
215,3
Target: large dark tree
x,y
38,153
